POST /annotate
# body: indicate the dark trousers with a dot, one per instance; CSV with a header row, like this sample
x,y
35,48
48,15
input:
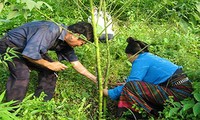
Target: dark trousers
x,y
18,80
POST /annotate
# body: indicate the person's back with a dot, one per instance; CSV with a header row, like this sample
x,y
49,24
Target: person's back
x,y
151,68
22,34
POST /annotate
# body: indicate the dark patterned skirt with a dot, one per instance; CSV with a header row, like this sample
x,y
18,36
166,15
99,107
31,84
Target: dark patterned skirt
x,y
152,97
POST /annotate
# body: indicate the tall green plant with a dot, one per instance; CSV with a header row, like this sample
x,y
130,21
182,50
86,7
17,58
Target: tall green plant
x,y
99,73
108,58
104,7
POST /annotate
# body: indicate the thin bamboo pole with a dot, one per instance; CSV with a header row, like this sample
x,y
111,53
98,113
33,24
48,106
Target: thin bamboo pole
x,y
108,58
99,75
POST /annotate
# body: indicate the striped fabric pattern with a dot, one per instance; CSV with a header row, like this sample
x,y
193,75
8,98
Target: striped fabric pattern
x,y
150,96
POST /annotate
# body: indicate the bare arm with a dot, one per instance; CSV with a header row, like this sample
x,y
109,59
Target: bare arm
x,y
54,66
82,70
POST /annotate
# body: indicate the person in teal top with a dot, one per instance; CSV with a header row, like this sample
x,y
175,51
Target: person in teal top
x,y
151,81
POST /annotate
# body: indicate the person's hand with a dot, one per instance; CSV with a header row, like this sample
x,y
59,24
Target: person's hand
x,y
105,92
57,66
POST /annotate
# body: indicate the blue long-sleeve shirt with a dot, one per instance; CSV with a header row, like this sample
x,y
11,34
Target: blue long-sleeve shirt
x,y
35,38
148,68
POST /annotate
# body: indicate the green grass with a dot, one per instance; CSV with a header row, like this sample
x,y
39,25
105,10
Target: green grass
x,y
74,91
76,97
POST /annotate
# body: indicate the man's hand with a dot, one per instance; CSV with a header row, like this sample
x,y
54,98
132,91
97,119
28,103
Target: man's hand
x,y
56,66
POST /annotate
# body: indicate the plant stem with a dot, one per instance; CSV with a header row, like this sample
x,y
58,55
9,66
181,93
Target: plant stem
x,y
108,57
99,75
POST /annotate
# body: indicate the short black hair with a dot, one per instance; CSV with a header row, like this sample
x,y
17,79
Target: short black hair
x,y
134,46
83,28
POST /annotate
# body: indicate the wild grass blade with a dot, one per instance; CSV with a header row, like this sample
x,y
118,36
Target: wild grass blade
x,y
2,96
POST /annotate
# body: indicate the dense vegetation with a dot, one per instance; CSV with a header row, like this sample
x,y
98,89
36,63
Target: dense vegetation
x,y
172,28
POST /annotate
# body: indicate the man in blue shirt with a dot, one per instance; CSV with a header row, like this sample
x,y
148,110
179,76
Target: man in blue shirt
x,y
33,40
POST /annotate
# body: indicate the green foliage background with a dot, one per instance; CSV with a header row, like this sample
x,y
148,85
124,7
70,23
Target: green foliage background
x,y
170,27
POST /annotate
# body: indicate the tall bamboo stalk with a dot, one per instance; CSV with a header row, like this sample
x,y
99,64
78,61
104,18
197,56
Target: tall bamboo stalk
x,y
99,75
108,57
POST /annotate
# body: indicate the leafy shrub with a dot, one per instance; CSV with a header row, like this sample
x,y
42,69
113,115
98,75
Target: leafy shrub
x,y
186,109
36,108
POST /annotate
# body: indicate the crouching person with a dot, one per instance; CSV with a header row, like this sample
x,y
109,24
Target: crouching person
x,y
151,81
32,41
